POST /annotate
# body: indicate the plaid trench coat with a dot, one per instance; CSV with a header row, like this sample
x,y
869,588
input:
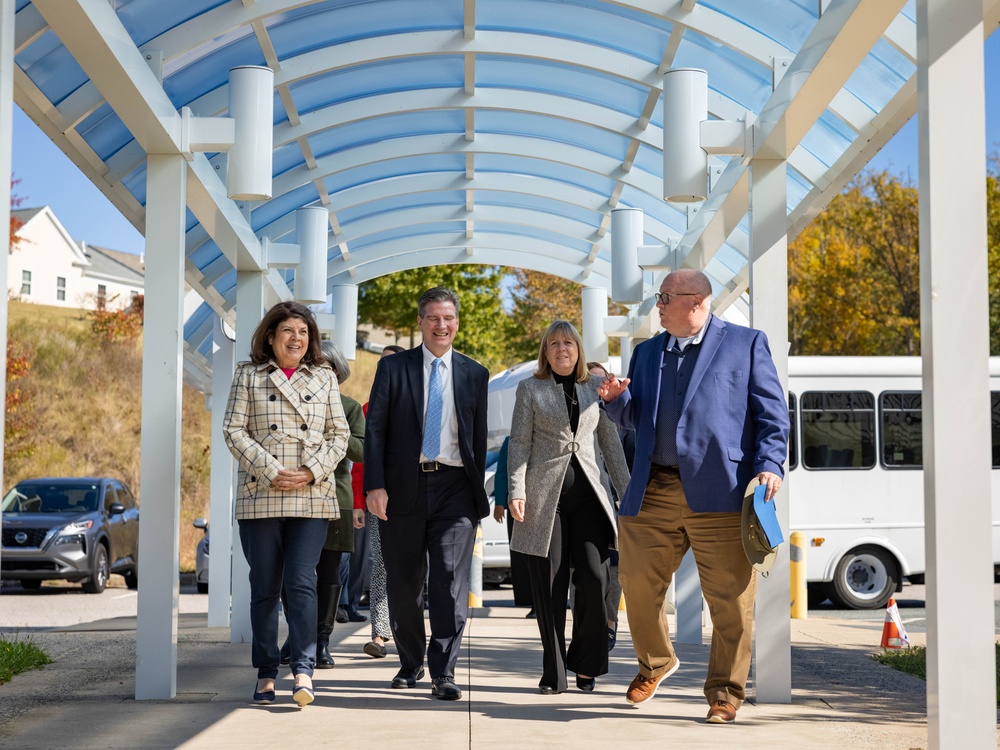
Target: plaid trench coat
x,y
273,422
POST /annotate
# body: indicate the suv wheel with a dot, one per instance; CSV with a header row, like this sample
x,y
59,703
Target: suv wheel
x,y
99,573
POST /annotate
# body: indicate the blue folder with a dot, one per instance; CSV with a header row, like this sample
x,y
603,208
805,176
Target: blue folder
x,y
767,517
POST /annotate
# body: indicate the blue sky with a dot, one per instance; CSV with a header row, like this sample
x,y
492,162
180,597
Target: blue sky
x,y
48,177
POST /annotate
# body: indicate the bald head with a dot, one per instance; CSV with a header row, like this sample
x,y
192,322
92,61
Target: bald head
x,y
690,280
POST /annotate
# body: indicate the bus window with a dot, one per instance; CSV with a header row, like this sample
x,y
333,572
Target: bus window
x,y
902,430
793,443
838,430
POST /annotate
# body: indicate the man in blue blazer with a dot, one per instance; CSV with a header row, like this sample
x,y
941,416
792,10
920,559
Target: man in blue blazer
x,y
710,415
425,461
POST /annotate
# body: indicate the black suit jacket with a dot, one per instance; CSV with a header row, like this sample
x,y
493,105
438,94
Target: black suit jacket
x,y
394,431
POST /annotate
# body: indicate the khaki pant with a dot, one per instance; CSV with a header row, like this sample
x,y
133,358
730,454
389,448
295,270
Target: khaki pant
x,y
651,547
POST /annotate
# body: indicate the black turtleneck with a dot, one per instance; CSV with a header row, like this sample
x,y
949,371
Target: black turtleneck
x,y
568,382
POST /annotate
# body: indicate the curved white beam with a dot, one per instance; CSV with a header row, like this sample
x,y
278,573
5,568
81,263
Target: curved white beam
x,y
494,182
479,249
420,256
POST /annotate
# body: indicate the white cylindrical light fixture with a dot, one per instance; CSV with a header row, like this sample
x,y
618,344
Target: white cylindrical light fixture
x,y
594,303
251,105
626,236
311,231
685,163
344,299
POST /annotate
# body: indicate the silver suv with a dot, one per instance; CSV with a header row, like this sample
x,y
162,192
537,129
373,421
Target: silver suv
x,y
79,530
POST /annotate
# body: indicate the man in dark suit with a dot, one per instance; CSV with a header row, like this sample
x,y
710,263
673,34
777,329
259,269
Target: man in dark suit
x,y
425,463
709,415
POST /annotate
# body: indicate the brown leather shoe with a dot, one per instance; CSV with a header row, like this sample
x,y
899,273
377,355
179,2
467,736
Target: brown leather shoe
x,y
721,712
643,688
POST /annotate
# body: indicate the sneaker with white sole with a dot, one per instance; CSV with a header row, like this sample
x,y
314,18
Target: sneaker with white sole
x,y
643,688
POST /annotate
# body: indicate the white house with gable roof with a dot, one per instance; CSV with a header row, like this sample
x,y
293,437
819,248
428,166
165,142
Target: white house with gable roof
x,y
49,267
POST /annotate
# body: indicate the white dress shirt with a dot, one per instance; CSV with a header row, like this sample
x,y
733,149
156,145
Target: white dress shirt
x,y
449,420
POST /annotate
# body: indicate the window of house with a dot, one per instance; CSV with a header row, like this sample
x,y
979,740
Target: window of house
x,y
61,288
25,282
102,296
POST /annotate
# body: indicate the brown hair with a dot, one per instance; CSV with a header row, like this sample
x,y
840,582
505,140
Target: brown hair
x,y
566,328
260,348
436,294
598,366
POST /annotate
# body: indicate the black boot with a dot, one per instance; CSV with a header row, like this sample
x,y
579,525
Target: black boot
x,y
327,598
286,649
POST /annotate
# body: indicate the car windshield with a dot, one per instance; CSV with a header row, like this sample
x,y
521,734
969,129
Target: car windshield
x,y
53,498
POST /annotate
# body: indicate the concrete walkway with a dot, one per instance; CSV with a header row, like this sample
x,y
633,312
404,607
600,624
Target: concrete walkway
x,y
841,698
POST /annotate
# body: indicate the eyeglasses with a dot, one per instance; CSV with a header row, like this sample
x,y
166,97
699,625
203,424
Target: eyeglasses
x,y
663,298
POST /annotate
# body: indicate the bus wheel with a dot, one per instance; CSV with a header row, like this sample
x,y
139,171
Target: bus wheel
x,y
864,579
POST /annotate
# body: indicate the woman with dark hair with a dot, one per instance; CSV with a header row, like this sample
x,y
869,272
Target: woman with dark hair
x,y
562,450
285,425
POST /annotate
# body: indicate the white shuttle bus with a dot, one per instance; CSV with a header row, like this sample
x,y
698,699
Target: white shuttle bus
x,y
857,482
855,470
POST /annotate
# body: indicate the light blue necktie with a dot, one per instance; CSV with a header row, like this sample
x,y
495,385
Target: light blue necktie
x,y
432,422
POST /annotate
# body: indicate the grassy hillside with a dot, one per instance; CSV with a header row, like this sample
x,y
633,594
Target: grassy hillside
x,y
85,410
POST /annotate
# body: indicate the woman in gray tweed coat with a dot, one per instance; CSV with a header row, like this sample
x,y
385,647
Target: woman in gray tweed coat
x,y
562,448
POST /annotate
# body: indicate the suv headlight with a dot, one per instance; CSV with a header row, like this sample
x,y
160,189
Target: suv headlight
x,y
74,533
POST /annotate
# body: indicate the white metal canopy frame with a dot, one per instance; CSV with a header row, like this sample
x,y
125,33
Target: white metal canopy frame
x,y
499,132
447,131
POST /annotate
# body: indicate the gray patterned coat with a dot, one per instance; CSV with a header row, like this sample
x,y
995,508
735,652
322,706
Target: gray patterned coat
x,y
541,443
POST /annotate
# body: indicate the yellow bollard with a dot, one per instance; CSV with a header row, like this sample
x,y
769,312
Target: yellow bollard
x,y
476,571
797,575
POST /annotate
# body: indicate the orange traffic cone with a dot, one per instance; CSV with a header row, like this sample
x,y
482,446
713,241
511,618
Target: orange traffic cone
x,y
893,633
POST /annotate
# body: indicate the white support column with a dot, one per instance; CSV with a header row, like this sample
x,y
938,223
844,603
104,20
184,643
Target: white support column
x,y
223,477
160,453
626,355
6,130
772,667
594,301
954,328
250,288
344,303
688,601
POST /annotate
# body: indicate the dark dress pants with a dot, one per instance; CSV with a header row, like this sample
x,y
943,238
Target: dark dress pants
x,y
283,552
581,536
441,533
518,571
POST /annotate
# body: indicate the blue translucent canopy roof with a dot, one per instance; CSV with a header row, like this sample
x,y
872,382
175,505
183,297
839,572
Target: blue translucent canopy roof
x,y
508,127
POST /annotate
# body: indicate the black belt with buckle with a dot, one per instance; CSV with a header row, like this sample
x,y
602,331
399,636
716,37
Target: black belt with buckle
x,y
430,466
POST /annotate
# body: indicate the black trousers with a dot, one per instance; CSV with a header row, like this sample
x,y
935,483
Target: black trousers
x,y
518,571
440,535
580,538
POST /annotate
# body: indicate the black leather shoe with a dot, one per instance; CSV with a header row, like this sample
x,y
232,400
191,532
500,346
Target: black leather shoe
x,y
444,689
547,690
407,678
586,683
342,615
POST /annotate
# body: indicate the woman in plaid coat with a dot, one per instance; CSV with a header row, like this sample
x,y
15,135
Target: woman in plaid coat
x,y
285,425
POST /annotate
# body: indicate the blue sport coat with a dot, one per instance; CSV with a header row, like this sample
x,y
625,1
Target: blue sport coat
x,y
733,424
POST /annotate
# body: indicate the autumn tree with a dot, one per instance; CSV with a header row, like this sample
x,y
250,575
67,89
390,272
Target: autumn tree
x,y
854,273
993,246
15,223
540,299
390,302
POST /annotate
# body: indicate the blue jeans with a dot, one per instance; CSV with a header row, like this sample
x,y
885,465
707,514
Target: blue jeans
x,y
283,550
